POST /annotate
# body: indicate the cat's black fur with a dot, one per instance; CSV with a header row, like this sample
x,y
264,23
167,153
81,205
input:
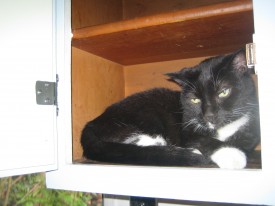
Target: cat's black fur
x,y
215,93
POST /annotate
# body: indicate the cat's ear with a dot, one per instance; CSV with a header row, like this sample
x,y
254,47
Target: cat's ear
x,y
176,77
186,74
239,61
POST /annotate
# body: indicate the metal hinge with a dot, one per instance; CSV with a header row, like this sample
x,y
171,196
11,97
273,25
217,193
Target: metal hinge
x,y
251,56
46,93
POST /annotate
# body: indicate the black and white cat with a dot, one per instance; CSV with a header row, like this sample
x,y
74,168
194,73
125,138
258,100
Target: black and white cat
x,y
214,119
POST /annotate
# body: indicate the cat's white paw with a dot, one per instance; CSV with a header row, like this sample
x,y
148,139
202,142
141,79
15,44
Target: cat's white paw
x,y
229,158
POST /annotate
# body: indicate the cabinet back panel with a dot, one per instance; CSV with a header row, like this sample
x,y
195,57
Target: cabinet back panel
x,y
146,76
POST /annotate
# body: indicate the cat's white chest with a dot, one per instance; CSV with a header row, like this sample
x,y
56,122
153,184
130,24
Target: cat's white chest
x,y
230,129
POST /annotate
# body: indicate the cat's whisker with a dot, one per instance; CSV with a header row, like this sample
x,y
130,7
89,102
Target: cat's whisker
x,y
245,108
188,123
198,128
251,104
120,124
239,111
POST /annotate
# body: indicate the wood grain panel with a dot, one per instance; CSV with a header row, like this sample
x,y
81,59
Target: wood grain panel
x,y
146,76
139,8
96,83
94,12
197,32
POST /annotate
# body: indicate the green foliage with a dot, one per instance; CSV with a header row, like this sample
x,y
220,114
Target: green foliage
x,y
30,190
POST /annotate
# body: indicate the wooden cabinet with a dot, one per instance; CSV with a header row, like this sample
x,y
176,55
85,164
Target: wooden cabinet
x,y
122,47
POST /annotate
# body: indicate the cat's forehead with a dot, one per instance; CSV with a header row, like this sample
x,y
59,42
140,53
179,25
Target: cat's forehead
x,y
212,77
213,68
209,73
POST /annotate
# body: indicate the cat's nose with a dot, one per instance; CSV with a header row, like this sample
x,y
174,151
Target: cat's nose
x,y
209,117
209,113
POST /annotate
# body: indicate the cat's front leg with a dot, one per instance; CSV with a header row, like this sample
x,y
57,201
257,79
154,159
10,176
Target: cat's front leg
x,y
223,155
229,158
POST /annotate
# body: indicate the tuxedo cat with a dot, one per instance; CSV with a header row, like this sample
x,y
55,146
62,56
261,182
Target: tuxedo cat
x,y
214,119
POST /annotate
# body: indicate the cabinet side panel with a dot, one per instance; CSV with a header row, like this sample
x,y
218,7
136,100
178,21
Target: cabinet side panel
x,y
147,76
96,83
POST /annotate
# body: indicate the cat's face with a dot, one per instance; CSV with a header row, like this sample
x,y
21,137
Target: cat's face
x,y
218,91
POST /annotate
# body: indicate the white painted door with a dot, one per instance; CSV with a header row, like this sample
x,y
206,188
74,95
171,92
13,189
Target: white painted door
x,y
27,130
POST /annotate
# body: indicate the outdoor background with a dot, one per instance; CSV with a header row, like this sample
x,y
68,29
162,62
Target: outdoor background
x,y
30,190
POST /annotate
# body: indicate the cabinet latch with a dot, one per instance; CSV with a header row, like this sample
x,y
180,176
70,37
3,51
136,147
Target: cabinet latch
x,y
251,56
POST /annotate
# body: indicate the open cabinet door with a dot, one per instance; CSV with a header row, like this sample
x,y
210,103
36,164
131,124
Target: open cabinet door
x,y
28,130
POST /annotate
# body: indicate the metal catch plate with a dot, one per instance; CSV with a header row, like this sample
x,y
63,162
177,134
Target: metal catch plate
x,y
45,93
250,55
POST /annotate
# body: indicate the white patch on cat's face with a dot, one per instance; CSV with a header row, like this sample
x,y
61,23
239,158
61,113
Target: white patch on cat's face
x,y
146,140
229,158
228,130
210,125
196,151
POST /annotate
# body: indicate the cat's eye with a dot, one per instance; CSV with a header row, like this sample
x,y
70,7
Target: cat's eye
x,y
224,93
195,100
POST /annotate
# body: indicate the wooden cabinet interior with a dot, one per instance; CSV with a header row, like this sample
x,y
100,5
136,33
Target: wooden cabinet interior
x,y
120,47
